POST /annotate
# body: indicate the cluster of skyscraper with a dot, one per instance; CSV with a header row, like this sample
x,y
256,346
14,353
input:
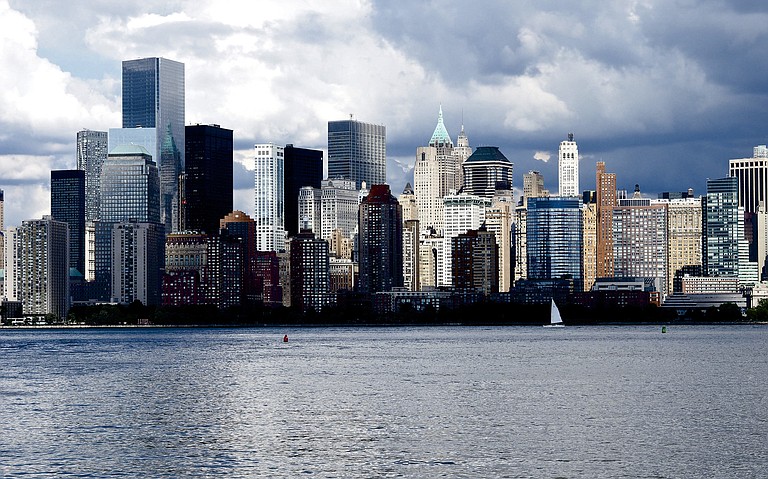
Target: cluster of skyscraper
x,y
147,216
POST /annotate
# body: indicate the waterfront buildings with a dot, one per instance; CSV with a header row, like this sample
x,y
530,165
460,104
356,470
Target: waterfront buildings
x,y
310,266
380,241
684,233
208,183
37,267
475,261
138,262
589,240
186,259
463,212
153,97
554,239
302,167
237,224
357,151
568,167
269,212
411,236
68,205
499,219
486,170
331,211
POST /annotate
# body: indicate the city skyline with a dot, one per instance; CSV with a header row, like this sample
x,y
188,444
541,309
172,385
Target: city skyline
x,y
649,86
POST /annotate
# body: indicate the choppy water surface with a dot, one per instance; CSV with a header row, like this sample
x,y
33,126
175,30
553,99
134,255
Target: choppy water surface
x,y
385,402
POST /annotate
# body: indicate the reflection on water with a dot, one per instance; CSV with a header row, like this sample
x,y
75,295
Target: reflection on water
x,y
385,402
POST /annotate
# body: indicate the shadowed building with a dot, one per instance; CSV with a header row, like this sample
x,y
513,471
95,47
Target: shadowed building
x,y
303,167
380,241
68,205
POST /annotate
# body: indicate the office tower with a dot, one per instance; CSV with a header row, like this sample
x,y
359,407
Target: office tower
x,y
437,173
38,262
270,197
68,205
130,191
499,219
411,254
310,212
153,97
303,167
357,151
407,202
463,212
240,225
753,192
431,260
725,246
461,151
330,211
533,186
485,171
309,263
554,239
568,167
474,261
605,187
684,233
208,183
640,247
138,262
589,240
380,241
185,265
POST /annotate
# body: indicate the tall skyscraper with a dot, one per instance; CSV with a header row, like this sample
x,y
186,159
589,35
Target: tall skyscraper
x,y
753,198
589,241
554,239
269,173
499,219
381,241
208,184
2,236
486,171
605,186
38,261
303,167
239,225
138,262
130,190
684,235
475,261
568,167
91,154
357,151
330,211
463,212
68,205
153,97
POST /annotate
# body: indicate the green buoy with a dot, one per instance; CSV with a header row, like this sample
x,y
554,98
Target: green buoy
x,y
663,329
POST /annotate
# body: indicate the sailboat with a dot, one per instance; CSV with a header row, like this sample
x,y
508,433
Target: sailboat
x,y
555,321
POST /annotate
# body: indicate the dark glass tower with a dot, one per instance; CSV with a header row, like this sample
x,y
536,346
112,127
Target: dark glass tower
x,y
303,167
357,151
153,97
380,221
68,205
208,177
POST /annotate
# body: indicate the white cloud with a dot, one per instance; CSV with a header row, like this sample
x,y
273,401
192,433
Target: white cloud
x,y
543,156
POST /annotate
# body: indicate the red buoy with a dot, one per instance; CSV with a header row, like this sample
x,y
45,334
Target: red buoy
x,y
285,338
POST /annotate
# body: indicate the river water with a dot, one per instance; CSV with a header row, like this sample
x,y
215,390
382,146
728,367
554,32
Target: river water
x,y
385,402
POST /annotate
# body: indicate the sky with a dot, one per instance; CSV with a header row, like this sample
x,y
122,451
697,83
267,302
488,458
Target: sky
x,y
664,92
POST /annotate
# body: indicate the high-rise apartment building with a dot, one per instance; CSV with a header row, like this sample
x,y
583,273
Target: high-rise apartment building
x,y
2,236
640,244
309,263
485,171
269,173
91,154
240,225
568,167
208,184
357,151
37,269
411,254
130,191
554,239
138,262
684,234
589,241
330,211
380,241
185,266
605,189
153,97
303,167
68,205
475,261
499,219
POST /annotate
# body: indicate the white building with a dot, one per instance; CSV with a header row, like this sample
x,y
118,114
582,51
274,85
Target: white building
x,y
568,167
462,213
138,262
499,219
270,197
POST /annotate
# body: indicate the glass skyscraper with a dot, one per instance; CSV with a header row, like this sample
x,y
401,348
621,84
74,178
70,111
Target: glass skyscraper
x,y
153,97
357,151
91,153
554,239
68,205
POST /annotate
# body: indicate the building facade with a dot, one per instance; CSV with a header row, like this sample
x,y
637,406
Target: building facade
x,y
606,197
357,151
68,205
138,262
269,212
310,266
463,212
554,239
474,261
568,167
303,167
485,171
380,241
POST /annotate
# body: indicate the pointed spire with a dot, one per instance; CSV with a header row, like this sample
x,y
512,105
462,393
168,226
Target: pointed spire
x,y
440,137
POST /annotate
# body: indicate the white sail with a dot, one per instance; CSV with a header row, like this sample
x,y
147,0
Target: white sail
x,y
555,314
